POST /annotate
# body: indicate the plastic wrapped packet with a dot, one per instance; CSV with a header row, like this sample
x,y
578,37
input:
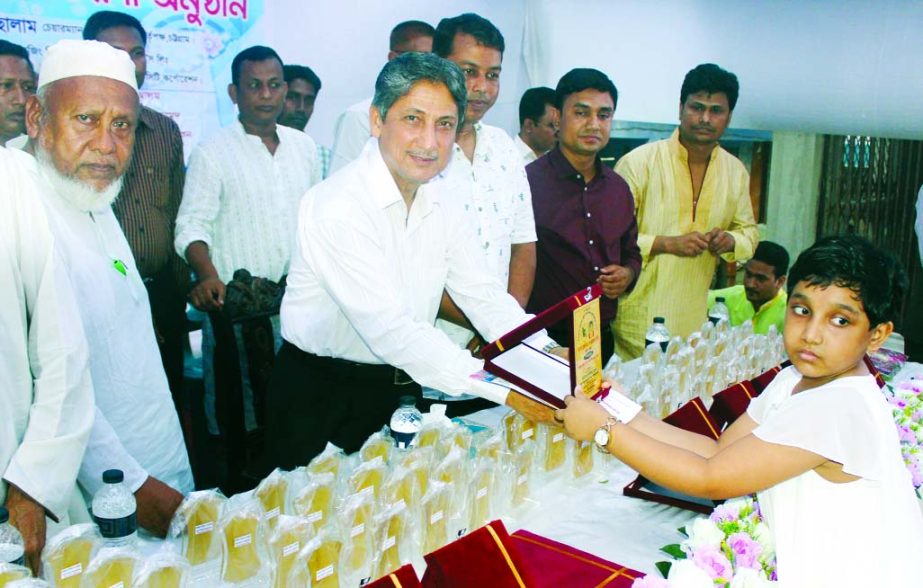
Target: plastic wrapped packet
x,y
522,476
429,435
271,493
317,564
652,355
517,430
164,569
554,449
67,555
392,531
244,556
315,501
327,461
673,347
481,492
400,488
583,457
377,448
367,478
10,572
285,541
194,523
356,522
111,567
28,583
435,509
419,462
453,471
489,443
456,436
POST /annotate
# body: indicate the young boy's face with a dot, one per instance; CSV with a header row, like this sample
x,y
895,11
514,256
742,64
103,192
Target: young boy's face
x,y
827,332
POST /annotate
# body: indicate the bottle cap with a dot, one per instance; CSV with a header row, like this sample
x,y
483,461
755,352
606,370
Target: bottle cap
x,y
113,476
4,515
659,320
719,299
407,400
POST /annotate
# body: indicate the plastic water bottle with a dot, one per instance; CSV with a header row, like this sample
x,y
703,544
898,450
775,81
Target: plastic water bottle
x,y
658,333
12,549
406,422
114,510
719,311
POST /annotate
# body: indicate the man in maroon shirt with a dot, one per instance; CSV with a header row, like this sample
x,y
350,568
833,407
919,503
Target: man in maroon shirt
x,y
584,212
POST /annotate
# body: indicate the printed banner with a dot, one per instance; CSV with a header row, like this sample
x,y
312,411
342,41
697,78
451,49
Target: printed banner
x,y
190,46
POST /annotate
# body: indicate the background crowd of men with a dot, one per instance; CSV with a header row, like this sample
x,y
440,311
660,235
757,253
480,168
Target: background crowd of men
x,y
432,233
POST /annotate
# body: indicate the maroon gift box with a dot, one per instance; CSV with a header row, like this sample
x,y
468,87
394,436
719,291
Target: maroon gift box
x,y
691,416
543,320
405,577
480,558
549,564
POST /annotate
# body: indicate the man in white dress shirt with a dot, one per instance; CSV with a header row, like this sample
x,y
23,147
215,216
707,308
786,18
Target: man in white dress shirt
x,y
352,127
538,124
240,201
377,244
81,126
47,396
488,179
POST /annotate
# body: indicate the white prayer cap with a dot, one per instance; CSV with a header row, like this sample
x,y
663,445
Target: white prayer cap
x,y
70,58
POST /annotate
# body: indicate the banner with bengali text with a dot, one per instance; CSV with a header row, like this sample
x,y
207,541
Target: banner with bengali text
x,y
190,46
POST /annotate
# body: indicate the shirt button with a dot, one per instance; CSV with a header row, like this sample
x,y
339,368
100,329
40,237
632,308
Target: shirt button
x,y
595,268
141,230
591,241
588,215
579,177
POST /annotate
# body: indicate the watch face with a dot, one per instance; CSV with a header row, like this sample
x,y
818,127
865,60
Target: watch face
x,y
601,437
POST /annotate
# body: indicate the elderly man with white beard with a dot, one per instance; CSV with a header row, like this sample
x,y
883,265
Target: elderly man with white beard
x,y
81,128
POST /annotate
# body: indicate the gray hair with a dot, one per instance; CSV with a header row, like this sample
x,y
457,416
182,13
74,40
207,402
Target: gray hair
x,y
401,73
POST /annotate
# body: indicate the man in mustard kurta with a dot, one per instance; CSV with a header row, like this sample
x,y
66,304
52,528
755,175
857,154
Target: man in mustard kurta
x,y
692,203
761,298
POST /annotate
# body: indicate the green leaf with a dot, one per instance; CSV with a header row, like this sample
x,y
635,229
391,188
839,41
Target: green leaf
x,y
664,567
674,550
682,531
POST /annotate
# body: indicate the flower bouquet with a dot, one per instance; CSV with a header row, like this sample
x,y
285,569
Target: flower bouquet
x,y
906,400
732,548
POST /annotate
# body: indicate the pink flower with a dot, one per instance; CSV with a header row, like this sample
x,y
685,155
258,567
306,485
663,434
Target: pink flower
x,y
650,581
713,562
722,514
746,550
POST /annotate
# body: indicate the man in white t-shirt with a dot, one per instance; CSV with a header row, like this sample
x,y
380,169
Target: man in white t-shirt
x,y
352,126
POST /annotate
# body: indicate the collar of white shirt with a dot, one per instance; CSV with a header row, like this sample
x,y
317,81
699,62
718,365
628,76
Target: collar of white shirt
x,y
382,186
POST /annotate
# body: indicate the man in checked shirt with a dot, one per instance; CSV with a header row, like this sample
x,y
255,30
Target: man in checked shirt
x,y
147,205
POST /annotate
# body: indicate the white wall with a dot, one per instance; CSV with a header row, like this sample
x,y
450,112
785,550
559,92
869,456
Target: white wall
x,y
826,66
823,66
346,44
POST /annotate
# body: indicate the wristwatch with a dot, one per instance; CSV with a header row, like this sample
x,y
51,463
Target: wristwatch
x,y
601,437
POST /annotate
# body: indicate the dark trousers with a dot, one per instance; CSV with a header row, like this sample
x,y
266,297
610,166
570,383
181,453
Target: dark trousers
x,y
168,309
562,333
313,400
